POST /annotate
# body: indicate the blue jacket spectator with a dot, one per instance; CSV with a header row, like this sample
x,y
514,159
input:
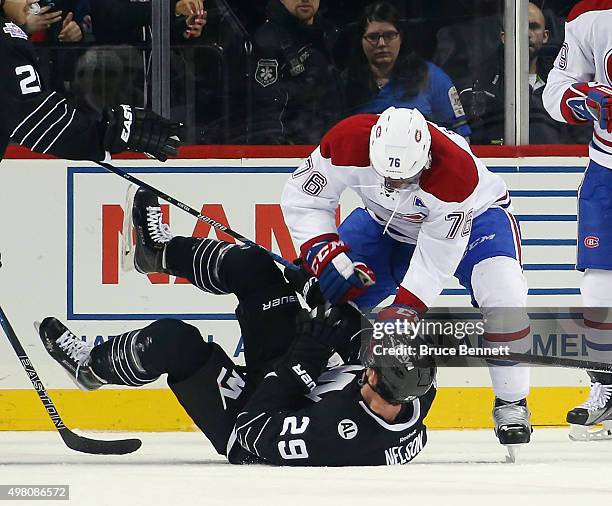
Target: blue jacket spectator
x,y
385,72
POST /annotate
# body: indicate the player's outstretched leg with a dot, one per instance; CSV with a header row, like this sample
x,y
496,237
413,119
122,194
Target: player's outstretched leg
x,y
133,358
206,382
71,352
596,410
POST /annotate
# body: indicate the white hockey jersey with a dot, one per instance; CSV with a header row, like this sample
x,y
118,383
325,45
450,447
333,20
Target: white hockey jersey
x,y
436,215
586,55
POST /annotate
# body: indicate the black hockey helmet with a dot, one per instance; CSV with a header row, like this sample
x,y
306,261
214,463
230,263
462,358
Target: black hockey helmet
x,y
402,376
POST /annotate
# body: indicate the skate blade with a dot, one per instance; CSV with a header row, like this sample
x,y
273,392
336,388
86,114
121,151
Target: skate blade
x,y
584,433
127,246
513,453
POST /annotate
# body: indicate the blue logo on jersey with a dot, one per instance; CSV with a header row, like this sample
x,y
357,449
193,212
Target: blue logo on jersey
x,y
418,202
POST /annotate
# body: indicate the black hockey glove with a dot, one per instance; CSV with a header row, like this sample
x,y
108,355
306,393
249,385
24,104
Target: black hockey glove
x,y
130,128
305,284
317,335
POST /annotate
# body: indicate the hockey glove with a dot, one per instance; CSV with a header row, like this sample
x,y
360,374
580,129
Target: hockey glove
x,y
591,101
599,103
305,284
399,319
130,128
317,335
341,277
400,312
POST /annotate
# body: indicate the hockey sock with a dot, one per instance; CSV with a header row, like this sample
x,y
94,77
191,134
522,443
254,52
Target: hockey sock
x,y
198,260
139,357
219,267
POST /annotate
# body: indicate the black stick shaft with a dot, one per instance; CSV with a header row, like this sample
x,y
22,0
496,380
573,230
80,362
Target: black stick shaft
x,y
589,365
193,212
31,372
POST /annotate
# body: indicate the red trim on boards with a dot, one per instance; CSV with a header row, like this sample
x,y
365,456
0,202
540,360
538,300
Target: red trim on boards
x,y
231,151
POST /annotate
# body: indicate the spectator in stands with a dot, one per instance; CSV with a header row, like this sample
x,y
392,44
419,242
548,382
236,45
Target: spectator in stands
x,y
47,24
385,71
101,72
296,88
123,21
484,99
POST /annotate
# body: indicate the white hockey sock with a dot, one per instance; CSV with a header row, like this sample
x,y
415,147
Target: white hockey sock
x,y
510,383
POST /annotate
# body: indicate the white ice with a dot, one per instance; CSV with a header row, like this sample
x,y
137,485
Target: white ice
x,y
456,468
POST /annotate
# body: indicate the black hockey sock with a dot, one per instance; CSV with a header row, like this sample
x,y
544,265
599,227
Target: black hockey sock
x,y
199,260
141,356
220,267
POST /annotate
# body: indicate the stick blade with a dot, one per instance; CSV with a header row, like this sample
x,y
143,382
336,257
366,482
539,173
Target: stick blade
x,y
99,447
127,248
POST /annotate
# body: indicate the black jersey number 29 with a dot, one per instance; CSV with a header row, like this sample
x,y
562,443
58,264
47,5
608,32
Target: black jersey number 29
x,y
294,448
30,82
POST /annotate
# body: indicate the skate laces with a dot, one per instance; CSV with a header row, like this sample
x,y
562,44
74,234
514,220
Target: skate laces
x,y
598,398
75,348
512,414
159,231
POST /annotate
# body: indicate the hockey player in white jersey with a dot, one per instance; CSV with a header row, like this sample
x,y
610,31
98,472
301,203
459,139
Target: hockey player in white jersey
x,y
431,210
579,91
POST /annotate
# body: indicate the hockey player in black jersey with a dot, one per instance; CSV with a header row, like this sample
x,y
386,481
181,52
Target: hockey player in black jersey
x,y
44,121
303,398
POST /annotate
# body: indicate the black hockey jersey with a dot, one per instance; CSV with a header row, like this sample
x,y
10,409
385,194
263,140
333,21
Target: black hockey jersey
x,y
34,116
332,426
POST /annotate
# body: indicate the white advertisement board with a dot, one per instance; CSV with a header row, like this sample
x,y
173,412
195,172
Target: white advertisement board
x,y
62,229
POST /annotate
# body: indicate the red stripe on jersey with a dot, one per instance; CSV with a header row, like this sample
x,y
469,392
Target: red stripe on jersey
x,y
517,237
601,139
598,325
588,6
453,175
348,142
505,337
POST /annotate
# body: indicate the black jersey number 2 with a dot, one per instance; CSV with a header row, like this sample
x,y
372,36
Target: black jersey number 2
x,y
30,82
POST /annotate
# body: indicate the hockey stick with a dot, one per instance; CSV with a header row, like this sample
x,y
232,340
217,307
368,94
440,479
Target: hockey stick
x,y
72,440
559,362
193,212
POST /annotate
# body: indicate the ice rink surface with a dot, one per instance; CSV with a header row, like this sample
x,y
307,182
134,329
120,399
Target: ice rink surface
x,y
182,469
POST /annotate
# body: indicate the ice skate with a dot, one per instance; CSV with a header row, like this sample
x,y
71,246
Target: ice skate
x,y
584,420
143,214
512,425
71,352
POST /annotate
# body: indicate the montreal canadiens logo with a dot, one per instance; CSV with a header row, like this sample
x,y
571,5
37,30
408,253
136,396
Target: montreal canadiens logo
x,y
417,136
591,241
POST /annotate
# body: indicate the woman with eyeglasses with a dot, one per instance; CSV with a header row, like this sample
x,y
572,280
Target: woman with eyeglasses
x,y
385,72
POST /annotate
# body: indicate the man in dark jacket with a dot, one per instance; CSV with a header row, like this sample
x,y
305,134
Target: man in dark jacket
x,y
484,97
295,82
